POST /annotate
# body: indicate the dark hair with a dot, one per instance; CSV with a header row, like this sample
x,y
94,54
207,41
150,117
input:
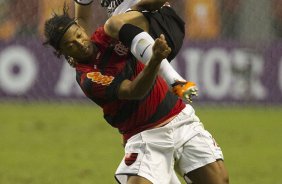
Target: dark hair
x,y
56,27
54,30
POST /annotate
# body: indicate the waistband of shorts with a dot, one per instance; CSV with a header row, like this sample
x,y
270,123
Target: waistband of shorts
x,y
185,113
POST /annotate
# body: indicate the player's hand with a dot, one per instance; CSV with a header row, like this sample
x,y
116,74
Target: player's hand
x,y
160,49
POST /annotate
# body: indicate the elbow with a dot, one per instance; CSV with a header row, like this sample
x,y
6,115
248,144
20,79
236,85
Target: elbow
x,y
133,94
138,92
139,96
128,90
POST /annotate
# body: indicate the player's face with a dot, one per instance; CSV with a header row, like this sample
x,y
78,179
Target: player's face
x,y
76,43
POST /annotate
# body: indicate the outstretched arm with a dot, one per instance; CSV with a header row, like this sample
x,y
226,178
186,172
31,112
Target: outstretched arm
x,y
84,15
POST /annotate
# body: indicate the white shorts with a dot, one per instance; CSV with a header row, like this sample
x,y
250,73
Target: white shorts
x,y
183,144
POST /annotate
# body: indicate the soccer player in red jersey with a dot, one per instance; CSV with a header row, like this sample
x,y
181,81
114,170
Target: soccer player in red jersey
x,y
160,131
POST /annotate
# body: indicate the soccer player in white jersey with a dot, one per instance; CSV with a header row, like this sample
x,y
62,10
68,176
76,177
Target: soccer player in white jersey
x,y
165,21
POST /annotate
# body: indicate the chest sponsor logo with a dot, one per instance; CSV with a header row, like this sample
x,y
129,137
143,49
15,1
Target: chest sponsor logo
x,y
98,78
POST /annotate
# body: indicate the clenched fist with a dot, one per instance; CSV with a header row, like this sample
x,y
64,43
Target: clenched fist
x,y
160,50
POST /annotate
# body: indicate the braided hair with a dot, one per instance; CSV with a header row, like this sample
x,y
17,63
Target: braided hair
x,y
54,30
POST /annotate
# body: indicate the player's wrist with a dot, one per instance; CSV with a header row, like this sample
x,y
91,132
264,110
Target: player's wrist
x,y
84,2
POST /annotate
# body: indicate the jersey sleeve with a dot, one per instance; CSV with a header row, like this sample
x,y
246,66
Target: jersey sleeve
x,y
101,38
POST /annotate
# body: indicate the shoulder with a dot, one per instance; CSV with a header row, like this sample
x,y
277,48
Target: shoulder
x,y
104,41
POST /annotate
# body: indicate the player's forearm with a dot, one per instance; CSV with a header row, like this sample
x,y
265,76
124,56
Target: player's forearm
x,y
84,16
141,85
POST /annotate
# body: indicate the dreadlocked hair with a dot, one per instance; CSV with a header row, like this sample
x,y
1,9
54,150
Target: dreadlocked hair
x,y
54,30
55,27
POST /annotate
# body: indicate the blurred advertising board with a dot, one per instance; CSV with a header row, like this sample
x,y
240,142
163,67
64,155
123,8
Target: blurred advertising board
x,y
226,72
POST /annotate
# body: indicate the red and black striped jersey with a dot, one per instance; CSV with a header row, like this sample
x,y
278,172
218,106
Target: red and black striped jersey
x,y
101,77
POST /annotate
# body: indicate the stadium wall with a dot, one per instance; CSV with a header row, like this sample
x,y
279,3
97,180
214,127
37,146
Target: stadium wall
x,y
226,72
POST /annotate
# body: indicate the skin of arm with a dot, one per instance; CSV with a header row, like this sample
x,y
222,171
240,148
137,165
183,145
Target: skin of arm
x,y
140,86
84,16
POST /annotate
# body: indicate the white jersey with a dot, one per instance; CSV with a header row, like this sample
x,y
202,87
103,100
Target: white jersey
x,y
124,6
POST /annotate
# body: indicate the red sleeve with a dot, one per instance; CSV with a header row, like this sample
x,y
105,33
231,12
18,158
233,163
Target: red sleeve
x,y
100,37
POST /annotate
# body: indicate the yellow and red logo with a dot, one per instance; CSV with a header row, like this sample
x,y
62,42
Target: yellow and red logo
x,y
97,77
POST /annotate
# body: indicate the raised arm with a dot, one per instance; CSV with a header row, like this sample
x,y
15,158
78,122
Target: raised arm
x,y
141,85
84,15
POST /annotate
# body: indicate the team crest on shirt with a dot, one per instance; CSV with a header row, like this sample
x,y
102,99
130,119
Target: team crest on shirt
x,y
98,78
120,49
130,158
